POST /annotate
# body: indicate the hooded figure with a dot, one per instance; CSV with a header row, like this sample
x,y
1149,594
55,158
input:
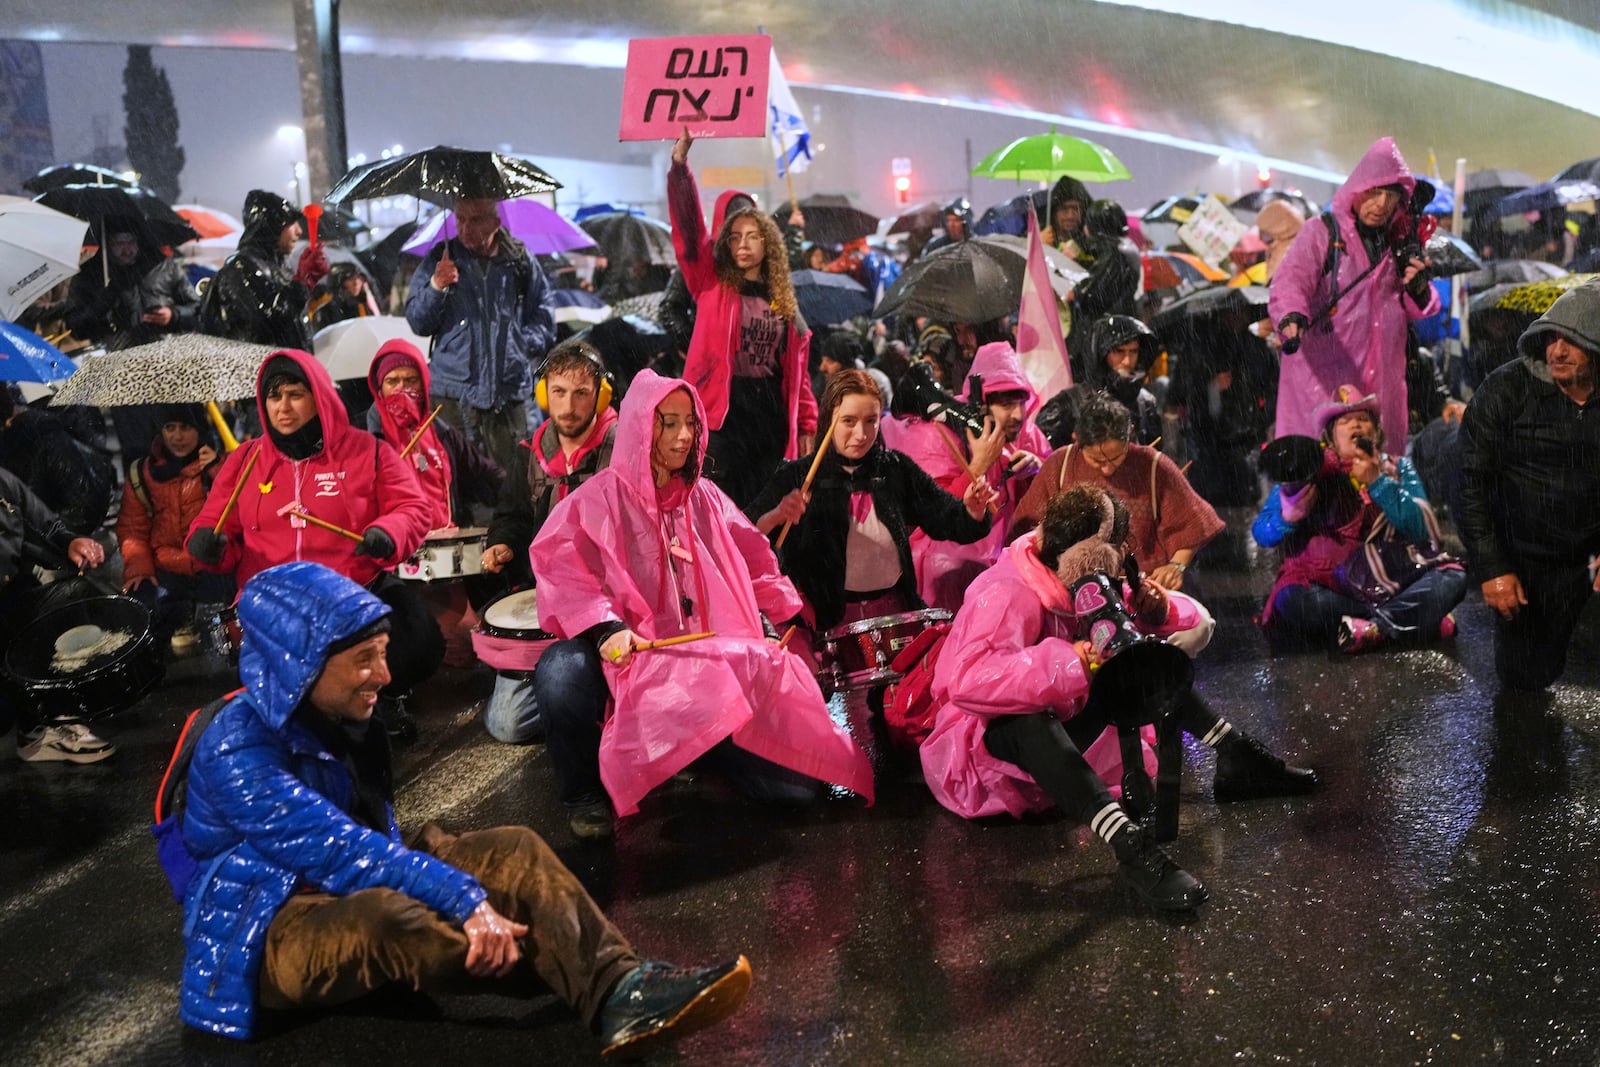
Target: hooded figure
x,y
958,211
1058,227
163,494
1364,341
945,568
675,560
255,297
328,469
1123,382
401,414
1278,223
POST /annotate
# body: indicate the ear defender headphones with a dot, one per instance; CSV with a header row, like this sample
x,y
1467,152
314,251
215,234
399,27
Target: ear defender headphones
x,y
541,392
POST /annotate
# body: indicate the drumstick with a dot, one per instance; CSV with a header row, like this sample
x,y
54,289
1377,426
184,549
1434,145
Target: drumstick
x,y
404,452
238,485
665,642
786,635
1185,468
330,527
822,450
955,454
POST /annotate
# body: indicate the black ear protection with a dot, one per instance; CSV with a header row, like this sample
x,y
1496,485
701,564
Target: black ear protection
x,y
541,392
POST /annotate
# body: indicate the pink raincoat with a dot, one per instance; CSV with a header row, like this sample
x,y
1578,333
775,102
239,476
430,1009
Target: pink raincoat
x,y
709,362
1010,652
611,552
1364,342
945,568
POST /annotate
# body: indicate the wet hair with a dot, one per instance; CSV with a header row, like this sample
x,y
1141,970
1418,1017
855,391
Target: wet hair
x,y
1103,418
774,269
575,355
1076,514
843,383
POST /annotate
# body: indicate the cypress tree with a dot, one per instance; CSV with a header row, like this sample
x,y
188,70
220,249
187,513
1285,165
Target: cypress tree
x,y
152,124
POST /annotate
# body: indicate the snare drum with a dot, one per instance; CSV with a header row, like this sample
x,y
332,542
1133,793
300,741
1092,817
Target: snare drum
x,y
508,638
445,555
857,655
86,659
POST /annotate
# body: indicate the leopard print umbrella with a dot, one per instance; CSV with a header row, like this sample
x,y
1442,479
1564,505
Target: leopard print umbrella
x,y
181,369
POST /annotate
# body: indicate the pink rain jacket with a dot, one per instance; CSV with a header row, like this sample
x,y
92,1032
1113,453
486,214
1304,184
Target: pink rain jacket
x,y
356,481
604,555
709,362
945,568
1010,652
1364,342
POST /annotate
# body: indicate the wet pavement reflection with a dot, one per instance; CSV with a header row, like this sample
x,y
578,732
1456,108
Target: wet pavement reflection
x,y
1437,902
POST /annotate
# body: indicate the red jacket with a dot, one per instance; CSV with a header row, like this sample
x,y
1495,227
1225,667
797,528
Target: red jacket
x,y
152,537
709,362
356,481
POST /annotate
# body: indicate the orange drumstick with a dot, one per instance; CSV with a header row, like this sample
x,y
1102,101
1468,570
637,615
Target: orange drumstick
x,y
330,527
955,454
404,452
681,639
238,485
822,450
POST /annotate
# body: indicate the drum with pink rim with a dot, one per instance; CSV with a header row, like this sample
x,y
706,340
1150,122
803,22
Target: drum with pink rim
x,y
445,554
858,655
508,637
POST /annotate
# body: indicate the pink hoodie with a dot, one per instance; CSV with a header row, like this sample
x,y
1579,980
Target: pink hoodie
x,y
606,554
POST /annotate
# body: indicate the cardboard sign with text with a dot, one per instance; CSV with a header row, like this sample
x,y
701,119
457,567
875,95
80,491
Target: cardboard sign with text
x,y
717,86
1212,230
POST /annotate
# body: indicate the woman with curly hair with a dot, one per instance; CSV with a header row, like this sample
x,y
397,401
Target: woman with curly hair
x,y
748,354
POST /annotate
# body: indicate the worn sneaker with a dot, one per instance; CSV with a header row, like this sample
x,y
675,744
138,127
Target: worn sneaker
x,y
657,1002
1358,635
590,820
1160,882
69,742
1447,627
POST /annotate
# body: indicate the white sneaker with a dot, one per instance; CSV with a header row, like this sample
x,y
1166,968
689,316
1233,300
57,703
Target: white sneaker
x,y
71,742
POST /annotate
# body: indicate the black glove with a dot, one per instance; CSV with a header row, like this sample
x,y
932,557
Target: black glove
x,y
207,546
375,543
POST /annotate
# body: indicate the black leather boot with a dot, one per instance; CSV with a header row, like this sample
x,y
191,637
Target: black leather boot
x,y
1246,770
1160,882
657,1002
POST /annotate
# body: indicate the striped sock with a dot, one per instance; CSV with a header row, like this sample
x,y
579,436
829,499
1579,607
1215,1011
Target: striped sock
x,y
1214,735
1109,821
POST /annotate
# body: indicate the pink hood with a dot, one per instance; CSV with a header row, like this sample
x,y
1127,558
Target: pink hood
x,y
1382,165
1002,372
636,423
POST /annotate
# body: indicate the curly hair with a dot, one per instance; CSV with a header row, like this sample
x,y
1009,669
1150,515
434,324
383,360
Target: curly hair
x,y
774,271
1103,418
1076,514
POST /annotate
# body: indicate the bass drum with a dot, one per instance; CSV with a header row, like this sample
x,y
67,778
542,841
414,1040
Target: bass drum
x,y
509,638
86,659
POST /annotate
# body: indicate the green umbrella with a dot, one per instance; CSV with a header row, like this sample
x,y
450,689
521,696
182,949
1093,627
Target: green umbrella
x,y
1044,157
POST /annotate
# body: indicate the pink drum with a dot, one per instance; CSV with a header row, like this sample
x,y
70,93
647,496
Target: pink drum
x,y
858,655
509,638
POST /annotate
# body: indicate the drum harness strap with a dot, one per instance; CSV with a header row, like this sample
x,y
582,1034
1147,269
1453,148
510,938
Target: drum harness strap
x,y
1155,501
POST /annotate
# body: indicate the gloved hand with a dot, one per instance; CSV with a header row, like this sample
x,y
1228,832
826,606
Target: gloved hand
x,y
207,546
313,266
375,543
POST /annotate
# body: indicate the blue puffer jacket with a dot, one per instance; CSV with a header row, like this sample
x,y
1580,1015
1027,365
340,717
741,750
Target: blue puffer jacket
x,y
267,805
486,327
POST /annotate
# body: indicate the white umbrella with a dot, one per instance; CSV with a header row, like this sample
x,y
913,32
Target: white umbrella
x,y
38,248
346,348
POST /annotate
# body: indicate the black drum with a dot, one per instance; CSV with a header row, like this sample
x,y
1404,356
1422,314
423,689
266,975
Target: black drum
x,y
86,659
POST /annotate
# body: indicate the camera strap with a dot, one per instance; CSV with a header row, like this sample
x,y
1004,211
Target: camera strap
x,y
1330,268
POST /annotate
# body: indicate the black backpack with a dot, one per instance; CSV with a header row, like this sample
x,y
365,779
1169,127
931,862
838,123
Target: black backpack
x,y
173,854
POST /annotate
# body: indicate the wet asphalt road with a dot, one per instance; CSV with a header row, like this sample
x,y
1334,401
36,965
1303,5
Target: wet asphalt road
x,y
1436,902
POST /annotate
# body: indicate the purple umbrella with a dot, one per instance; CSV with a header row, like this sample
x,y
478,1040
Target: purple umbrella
x,y
539,227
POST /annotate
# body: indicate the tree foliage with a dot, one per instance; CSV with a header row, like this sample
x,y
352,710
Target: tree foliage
x,y
152,124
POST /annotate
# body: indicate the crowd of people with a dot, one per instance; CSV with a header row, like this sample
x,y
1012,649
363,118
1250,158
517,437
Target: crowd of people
x,y
702,535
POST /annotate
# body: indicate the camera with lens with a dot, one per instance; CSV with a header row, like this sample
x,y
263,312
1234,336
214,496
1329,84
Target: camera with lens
x,y
1409,233
920,395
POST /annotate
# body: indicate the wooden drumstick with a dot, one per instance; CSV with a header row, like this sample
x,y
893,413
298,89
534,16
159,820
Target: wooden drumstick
x,y
822,450
666,642
406,451
330,527
237,485
786,635
955,454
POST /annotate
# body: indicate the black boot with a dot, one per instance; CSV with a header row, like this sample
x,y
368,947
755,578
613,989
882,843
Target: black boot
x,y
1160,882
1246,770
657,1002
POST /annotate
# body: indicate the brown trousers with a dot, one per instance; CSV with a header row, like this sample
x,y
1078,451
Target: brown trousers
x,y
324,950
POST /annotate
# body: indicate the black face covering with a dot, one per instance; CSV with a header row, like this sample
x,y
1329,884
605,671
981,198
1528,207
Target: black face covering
x,y
303,443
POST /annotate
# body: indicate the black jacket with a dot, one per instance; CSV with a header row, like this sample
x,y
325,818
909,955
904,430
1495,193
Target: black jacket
x,y
114,312
25,519
529,492
1531,465
905,497
255,297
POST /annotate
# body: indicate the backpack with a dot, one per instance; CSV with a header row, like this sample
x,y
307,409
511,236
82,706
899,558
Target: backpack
x,y
908,704
173,854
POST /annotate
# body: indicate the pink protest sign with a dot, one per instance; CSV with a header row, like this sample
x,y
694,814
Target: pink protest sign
x,y
717,86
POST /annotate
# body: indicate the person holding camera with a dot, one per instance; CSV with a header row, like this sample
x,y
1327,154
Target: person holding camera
x,y
1338,524
1344,294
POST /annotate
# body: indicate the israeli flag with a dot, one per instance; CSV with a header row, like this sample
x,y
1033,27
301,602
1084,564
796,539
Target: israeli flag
x,y
791,138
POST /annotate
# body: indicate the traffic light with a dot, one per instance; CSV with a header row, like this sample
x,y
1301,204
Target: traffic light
x,y
902,189
1263,175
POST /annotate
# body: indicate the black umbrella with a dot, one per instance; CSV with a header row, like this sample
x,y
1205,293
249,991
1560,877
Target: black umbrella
x,y
74,174
973,281
1448,254
1485,188
442,175
626,238
99,205
830,219
629,344
1214,301
1557,192
1587,170
827,299
1262,197
1011,216
1175,209
928,215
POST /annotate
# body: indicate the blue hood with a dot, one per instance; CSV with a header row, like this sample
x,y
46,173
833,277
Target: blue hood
x,y
290,614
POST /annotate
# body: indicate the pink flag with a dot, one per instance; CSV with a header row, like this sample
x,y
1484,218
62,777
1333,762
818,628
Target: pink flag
x,y
1040,345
